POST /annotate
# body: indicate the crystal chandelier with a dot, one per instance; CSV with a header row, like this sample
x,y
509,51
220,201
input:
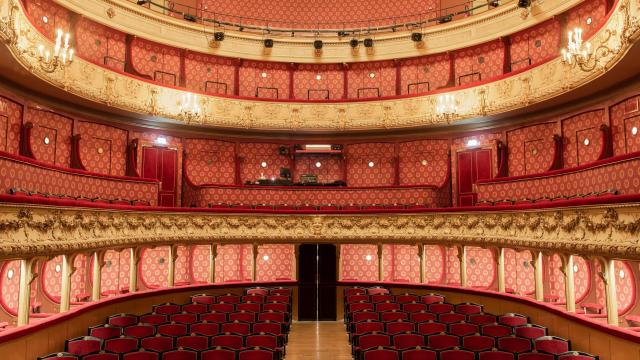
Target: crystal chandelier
x,y
189,108
577,51
62,53
446,107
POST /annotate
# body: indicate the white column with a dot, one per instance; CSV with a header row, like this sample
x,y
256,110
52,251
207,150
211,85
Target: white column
x,y
500,269
96,273
65,286
462,257
27,276
538,275
609,277
213,254
569,284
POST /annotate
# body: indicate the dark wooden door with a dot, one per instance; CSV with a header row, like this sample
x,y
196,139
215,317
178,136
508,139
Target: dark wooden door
x,y
162,164
317,282
473,165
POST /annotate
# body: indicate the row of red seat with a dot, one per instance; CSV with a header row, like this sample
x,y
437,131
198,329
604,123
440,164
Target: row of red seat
x,y
543,199
308,207
454,353
217,353
118,201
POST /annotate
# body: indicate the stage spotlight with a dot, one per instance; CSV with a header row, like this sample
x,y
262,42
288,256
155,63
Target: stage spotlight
x,y
317,44
494,3
445,19
268,43
368,42
416,36
189,17
353,43
524,3
342,33
142,2
218,35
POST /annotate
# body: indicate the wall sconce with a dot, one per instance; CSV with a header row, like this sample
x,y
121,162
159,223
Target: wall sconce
x,y
189,108
371,164
368,257
446,107
423,162
62,54
10,274
265,258
586,142
263,164
161,140
318,164
634,131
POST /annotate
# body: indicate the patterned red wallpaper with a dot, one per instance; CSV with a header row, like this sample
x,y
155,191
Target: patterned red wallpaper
x,y
234,263
323,14
423,162
160,62
370,164
481,62
210,161
434,264
154,267
10,122
418,75
588,15
51,279
555,278
50,137
400,263
49,16
330,169
100,44
371,79
275,262
625,116
264,80
261,159
518,270
115,272
210,74
200,263
318,82
359,262
535,45
625,286
481,268
531,148
102,148
10,285
582,138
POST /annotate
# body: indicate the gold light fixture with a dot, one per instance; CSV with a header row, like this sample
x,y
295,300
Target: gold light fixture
x,y
189,108
446,107
577,51
61,56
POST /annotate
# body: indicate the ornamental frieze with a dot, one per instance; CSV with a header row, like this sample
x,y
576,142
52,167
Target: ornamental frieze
x,y
611,231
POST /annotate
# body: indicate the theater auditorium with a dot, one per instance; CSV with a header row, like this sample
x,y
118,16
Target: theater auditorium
x,y
319,180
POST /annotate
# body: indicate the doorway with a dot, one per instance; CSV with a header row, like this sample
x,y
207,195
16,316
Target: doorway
x,y
473,165
317,282
162,164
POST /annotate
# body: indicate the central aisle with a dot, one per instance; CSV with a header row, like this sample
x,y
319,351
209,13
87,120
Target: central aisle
x,y
318,340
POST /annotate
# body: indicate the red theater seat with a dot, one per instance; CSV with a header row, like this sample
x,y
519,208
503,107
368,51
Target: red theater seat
x,y
139,331
407,298
122,345
368,326
530,331
105,331
414,307
478,342
431,327
243,316
576,355
249,307
450,318
457,354
167,309
203,299
380,298
257,354
180,354
141,355
232,341
218,353
223,307
154,319
422,317
515,344
195,342
195,308
496,355
512,319
468,308
536,356
236,327
230,298
400,326
463,329
83,345
102,355
380,353
408,340
267,341
184,318
268,327
393,316
418,353
215,317
278,307
443,341
441,308
552,344
496,330
173,329
204,328
158,343
483,319
122,320
387,306
367,315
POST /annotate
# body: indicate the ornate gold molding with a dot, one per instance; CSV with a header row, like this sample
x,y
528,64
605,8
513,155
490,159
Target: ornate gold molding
x,y
538,84
485,26
612,231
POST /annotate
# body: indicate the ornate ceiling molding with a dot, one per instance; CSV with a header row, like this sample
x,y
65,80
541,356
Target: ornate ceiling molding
x,y
132,19
611,231
538,84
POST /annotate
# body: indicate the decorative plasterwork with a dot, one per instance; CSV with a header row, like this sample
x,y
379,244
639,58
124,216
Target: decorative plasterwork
x,y
611,231
486,26
540,83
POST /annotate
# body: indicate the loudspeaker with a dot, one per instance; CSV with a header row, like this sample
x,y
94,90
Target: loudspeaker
x,y
524,3
283,150
218,35
189,17
268,43
317,44
368,42
416,36
353,43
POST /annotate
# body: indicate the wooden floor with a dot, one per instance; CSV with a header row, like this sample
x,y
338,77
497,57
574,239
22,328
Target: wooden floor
x,y
318,340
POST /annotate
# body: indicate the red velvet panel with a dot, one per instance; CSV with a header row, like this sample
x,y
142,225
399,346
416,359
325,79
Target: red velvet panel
x,y
531,148
49,16
624,117
424,162
10,122
576,130
479,63
371,79
360,156
102,148
535,45
318,82
100,44
210,74
210,161
423,74
264,80
54,129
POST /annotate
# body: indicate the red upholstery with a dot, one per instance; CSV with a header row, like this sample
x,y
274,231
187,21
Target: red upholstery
x,y
268,327
250,307
367,315
232,341
262,340
219,353
478,342
203,299
530,331
496,355
222,307
141,355
450,318
122,345
422,317
204,328
387,306
469,308
154,319
443,341
185,318
463,328
414,307
431,327
248,317
457,354
496,330
381,354
195,342
83,345
216,317
552,344
256,354
408,340
407,298
236,327
515,344
483,319
400,326
105,331
195,308
167,309
393,316
179,355
172,329
139,331
122,320
157,343
418,354
512,319
441,308
370,340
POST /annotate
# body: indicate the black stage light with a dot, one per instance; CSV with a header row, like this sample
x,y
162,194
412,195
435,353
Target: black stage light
x,y
416,36
445,19
524,3
353,43
494,3
142,2
218,35
342,33
368,42
317,44
189,17
268,43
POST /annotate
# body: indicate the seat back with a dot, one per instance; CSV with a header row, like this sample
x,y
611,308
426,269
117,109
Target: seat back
x,y
576,355
195,308
441,308
418,353
204,328
457,354
431,327
184,318
496,355
236,327
463,329
530,331
215,317
248,317
172,329
218,353
83,345
141,355
167,308
515,344
367,341
408,340
365,315
180,354
268,341
154,319
468,308
195,342
393,316
513,319
396,327
450,318
421,317
552,344
122,345
496,330
381,353
482,319
105,331
232,341
122,320
157,343
443,341
268,327
478,342
102,355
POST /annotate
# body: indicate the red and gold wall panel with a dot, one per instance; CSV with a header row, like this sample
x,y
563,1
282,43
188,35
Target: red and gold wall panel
x,y
234,263
400,263
479,63
359,262
115,272
424,162
361,156
254,155
160,62
49,17
318,82
330,169
10,122
481,269
452,266
589,16
625,116
531,148
210,161
50,137
102,148
200,263
100,44
434,270
422,74
264,80
625,286
210,74
519,273
275,262
371,79
535,45
582,138
554,278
